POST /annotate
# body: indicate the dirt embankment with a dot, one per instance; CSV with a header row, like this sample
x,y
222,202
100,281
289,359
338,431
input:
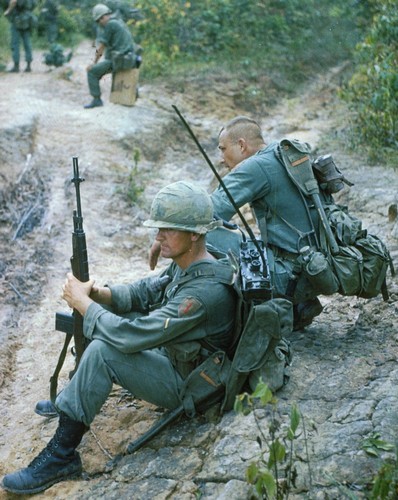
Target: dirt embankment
x,y
344,369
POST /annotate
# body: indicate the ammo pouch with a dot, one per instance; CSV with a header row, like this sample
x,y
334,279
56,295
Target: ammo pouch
x,y
184,356
205,385
122,62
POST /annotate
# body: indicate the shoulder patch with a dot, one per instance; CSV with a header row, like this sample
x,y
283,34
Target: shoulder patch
x,y
188,306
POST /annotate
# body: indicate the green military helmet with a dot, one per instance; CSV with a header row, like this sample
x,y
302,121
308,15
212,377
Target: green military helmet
x,y
183,206
100,10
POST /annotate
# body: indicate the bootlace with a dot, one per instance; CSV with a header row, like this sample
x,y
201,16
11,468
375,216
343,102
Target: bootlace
x,y
48,451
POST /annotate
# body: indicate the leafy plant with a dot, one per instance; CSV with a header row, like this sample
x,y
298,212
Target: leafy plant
x,y
385,483
135,186
372,92
265,474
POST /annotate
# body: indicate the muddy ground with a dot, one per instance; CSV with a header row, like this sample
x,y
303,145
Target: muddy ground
x,y
127,154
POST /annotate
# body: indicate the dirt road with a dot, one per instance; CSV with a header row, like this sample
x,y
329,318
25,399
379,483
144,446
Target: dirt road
x,y
43,125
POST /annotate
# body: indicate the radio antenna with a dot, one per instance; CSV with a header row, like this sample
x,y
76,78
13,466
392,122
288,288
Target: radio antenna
x,y
222,184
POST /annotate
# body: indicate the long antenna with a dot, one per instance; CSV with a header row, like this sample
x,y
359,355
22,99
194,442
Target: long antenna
x,y
222,184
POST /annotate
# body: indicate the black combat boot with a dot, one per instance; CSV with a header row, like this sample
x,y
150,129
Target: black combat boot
x,y
305,312
28,69
95,103
58,461
14,69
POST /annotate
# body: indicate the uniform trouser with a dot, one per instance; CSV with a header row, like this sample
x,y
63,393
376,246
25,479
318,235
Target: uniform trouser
x,y
148,375
16,36
95,74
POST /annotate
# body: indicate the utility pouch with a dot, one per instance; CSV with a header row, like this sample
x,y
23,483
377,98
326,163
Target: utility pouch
x,y
320,274
376,259
122,62
264,327
23,21
348,267
205,384
184,356
274,372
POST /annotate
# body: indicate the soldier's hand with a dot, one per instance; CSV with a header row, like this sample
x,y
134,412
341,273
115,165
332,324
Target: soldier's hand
x,y
77,293
153,254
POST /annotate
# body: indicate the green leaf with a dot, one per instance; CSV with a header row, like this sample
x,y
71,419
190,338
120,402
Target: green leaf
x,y
277,453
251,473
268,483
294,418
263,393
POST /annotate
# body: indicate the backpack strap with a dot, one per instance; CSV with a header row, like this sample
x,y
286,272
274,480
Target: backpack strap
x,y
295,157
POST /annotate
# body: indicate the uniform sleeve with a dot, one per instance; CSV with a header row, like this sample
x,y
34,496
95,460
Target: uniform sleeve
x,y
140,296
182,318
105,34
248,182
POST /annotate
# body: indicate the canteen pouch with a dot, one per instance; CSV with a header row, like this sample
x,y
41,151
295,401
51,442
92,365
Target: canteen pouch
x,y
320,274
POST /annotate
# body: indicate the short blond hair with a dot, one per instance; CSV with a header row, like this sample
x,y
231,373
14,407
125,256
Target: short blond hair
x,y
245,127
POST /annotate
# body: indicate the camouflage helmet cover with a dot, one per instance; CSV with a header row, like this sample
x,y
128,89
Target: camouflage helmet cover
x,y
100,10
182,206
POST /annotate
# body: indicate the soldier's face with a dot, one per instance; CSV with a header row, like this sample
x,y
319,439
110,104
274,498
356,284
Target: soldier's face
x,y
231,152
174,244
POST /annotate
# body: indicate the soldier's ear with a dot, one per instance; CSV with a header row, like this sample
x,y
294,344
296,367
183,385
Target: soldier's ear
x,y
195,236
242,144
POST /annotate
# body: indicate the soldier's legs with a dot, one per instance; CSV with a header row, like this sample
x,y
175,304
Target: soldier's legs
x,y
149,375
27,44
15,41
94,76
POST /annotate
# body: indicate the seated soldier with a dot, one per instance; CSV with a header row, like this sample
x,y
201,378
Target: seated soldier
x,y
258,177
136,333
114,37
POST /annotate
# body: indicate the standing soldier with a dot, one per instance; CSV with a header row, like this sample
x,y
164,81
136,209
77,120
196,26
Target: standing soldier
x,y
21,17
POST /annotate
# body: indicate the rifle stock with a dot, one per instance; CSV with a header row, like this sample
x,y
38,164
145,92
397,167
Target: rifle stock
x,y
72,324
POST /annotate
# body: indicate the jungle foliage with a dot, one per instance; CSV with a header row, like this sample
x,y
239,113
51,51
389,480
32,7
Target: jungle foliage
x,y
285,42
372,92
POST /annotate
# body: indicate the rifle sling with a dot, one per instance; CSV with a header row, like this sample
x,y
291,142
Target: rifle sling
x,y
61,359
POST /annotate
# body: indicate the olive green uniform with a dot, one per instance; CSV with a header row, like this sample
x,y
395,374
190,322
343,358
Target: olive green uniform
x,y
117,38
281,213
138,342
21,19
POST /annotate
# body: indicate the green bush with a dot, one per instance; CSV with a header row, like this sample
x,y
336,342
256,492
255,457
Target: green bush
x,y
372,92
5,51
270,33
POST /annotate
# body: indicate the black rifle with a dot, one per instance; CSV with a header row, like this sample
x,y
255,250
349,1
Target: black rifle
x,y
72,324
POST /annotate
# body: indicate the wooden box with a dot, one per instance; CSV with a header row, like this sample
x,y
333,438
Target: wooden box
x,y
124,87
